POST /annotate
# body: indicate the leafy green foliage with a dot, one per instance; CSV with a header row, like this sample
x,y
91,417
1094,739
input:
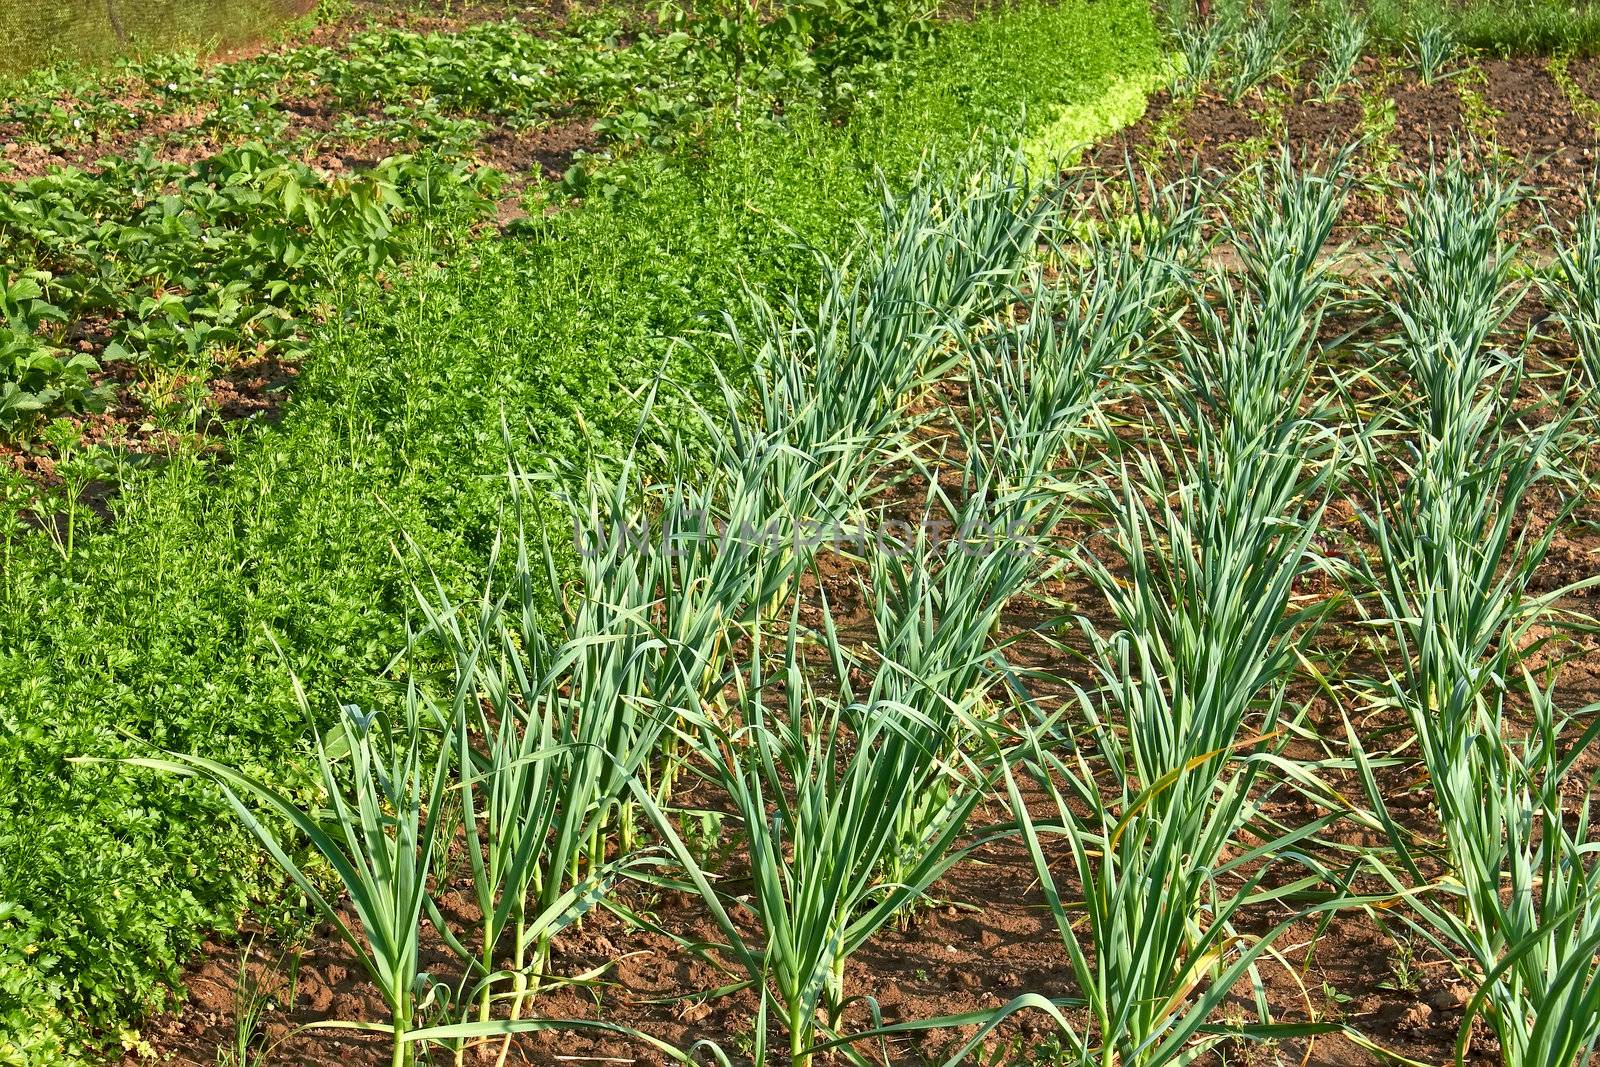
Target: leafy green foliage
x,y
34,374
32,1027
180,270
184,265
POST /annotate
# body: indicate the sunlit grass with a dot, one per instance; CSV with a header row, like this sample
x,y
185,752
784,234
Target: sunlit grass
x,y
92,32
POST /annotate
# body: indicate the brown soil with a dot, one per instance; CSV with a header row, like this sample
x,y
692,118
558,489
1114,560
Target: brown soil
x,y
1535,131
131,426
526,155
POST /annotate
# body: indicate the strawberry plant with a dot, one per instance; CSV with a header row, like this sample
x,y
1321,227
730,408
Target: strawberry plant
x,y
186,265
35,374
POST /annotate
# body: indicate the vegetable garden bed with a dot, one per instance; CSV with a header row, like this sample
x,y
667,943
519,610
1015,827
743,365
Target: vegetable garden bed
x,y
804,583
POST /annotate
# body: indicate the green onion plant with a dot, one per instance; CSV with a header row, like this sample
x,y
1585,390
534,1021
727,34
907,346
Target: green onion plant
x,y
819,786
1431,48
1201,46
379,838
1151,792
1452,291
1152,789
1258,52
1454,585
1573,292
1343,48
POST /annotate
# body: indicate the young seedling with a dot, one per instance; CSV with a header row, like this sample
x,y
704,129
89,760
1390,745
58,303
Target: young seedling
x,y
253,1000
1257,54
1345,45
1574,290
1431,48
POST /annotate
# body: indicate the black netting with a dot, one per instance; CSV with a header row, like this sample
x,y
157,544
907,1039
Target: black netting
x,y
37,32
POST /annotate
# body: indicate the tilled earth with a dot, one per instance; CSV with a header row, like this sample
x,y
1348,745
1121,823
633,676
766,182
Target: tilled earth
x,y
1514,112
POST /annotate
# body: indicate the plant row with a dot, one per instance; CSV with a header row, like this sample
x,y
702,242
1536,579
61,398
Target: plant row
x,y
1242,47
